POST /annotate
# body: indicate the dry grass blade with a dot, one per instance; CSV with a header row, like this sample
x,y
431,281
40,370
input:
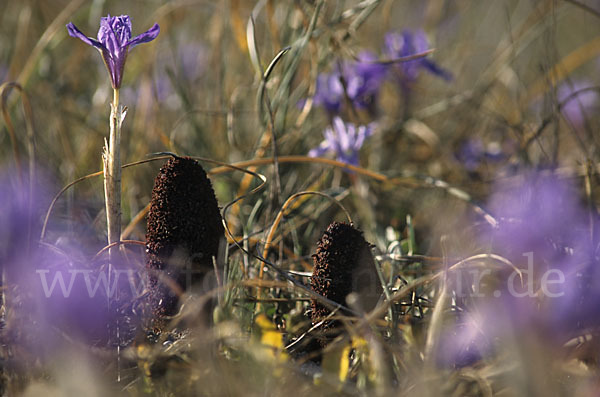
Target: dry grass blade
x,y
57,24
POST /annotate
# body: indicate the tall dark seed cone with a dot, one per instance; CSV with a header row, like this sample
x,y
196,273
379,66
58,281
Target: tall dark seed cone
x,y
343,264
184,230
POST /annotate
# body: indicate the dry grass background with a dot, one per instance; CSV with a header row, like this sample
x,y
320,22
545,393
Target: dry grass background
x,y
198,90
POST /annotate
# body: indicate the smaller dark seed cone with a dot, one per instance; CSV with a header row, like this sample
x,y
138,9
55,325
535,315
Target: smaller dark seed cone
x,y
184,230
343,264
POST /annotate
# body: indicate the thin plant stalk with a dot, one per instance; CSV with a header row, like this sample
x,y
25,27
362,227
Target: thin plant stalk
x,y
112,176
111,158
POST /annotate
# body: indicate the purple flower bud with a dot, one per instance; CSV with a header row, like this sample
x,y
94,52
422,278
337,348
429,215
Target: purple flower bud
x,y
114,42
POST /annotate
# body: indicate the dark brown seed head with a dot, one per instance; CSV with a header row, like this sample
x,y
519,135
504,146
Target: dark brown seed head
x,y
343,264
184,228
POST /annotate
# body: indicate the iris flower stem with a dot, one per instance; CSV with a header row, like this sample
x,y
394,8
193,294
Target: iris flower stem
x,y
112,176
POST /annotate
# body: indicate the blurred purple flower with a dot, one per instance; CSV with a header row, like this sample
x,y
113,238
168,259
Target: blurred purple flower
x,y
187,65
543,217
537,214
344,139
51,285
544,229
193,59
577,106
407,43
362,79
114,42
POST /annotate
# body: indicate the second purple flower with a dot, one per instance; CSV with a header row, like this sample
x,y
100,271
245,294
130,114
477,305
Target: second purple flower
x,y
344,139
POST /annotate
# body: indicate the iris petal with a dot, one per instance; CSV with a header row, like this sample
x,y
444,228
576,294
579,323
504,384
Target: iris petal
x,y
75,32
145,37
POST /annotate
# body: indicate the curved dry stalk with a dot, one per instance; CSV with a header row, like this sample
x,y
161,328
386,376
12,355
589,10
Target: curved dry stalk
x,y
136,219
562,69
57,24
222,168
285,206
83,178
405,290
117,243
278,218
408,181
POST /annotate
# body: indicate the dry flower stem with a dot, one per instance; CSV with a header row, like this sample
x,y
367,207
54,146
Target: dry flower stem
x,y
112,176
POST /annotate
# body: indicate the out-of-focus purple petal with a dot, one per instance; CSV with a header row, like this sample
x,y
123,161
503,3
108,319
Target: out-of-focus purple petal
x,y
329,92
362,79
3,72
576,108
145,37
372,72
419,41
193,59
332,140
437,70
467,341
542,216
408,43
362,134
393,43
344,133
319,150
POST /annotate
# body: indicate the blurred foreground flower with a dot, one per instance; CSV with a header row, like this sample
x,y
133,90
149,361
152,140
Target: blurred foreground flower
x,y
406,44
546,232
114,42
361,82
344,139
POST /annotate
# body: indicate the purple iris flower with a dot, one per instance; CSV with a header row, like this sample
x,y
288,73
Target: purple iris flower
x,y
114,42
407,43
362,78
344,139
